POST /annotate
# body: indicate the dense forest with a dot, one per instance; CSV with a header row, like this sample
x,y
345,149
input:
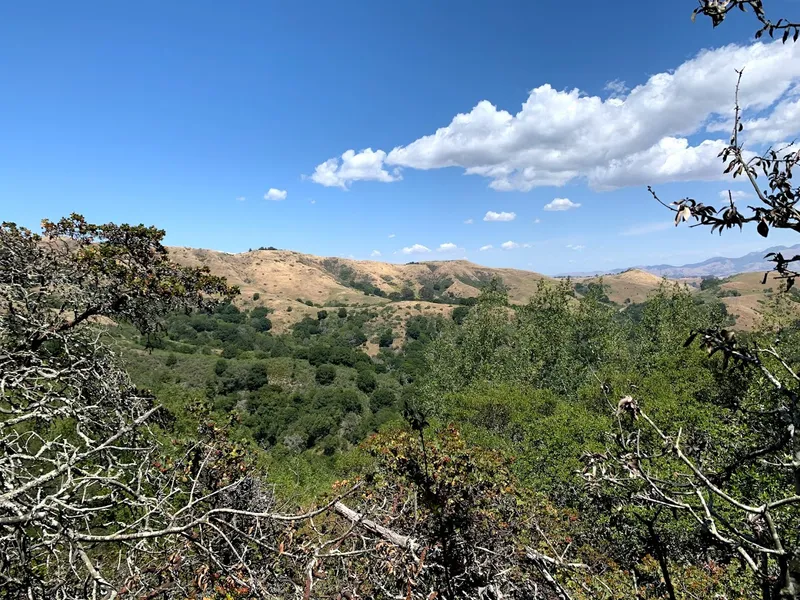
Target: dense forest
x,y
161,441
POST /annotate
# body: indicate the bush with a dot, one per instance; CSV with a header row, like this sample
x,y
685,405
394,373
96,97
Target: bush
x,y
459,314
256,377
325,375
366,381
172,360
322,315
261,324
386,339
256,296
710,283
342,313
382,398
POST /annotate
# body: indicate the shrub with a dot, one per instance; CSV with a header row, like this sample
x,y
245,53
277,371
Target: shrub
x,y
325,374
386,338
459,314
366,381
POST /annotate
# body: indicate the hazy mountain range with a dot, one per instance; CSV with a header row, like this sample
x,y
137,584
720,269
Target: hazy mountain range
x,y
719,266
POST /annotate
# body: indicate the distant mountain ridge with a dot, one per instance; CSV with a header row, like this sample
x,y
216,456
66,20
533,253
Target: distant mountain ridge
x,y
718,266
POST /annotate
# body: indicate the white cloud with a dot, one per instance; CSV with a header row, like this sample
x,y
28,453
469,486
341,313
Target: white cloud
x,y
780,125
561,204
658,132
468,222
509,245
499,216
362,166
576,247
617,87
670,159
447,247
645,228
241,198
313,201
275,194
391,235
735,194
375,253
537,220
486,247
415,249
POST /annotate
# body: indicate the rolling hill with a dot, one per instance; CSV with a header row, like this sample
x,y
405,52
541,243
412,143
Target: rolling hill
x,y
296,285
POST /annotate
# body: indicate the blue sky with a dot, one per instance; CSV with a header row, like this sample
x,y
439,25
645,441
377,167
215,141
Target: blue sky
x,y
185,115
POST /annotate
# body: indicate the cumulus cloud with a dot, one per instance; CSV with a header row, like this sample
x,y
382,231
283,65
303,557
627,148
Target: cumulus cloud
x,y
509,245
275,194
657,132
645,228
486,247
375,253
415,249
366,165
468,222
499,216
780,125
447,247
561,204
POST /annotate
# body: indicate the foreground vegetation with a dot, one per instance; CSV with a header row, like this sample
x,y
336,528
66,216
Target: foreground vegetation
x,y
159,442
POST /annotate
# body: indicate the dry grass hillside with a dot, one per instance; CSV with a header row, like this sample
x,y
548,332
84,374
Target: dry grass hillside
x,y
748,306
288,281
628,287
285,280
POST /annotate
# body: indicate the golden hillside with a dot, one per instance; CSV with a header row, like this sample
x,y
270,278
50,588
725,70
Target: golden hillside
x,y
284,280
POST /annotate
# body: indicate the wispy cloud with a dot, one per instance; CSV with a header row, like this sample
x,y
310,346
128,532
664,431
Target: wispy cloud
x,y
468,222
561,204
391,235
486,247
415,249
375,253
509,245
499,216
576,247
275,194
735,194
537,220
645,228
617,88
241,198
